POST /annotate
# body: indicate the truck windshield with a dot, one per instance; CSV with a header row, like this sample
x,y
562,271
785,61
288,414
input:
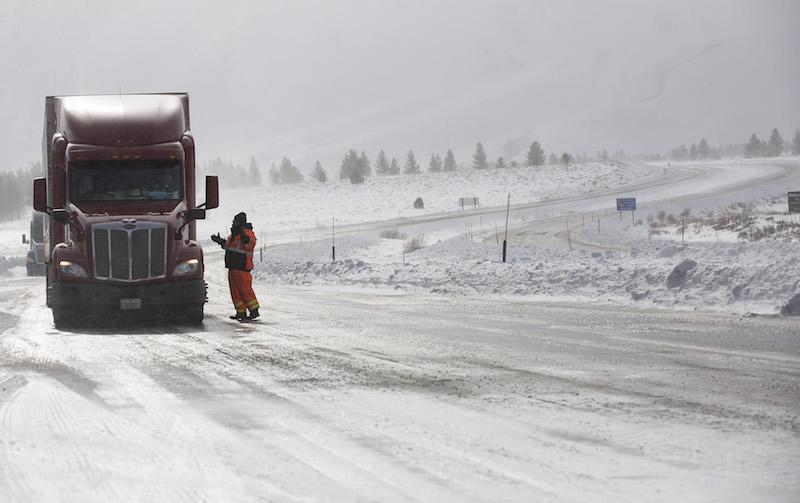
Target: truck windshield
x,y
127,180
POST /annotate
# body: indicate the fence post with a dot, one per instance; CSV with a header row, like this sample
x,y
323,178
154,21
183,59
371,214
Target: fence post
x,y
333,239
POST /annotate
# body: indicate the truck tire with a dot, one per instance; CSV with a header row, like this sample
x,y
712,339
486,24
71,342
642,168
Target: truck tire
x,y
194,315
64,319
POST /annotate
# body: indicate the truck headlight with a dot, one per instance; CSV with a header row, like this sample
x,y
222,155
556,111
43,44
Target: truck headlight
x,y
71,269
191,266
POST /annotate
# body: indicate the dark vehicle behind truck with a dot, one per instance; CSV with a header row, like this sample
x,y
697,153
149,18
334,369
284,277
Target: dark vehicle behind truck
x,y
34,261
119,195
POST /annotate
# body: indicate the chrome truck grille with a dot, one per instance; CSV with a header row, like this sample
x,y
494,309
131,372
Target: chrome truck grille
x,y
129,254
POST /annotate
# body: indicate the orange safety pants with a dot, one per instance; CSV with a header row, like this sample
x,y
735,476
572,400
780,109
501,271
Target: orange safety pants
x,y
242,294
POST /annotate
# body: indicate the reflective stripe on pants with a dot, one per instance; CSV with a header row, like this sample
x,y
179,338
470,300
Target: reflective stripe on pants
x,y
242,294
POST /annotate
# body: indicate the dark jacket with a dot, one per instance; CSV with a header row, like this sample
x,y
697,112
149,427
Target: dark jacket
x,y
239,249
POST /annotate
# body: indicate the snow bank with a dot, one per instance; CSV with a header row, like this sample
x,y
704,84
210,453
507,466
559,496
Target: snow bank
x,y
743,277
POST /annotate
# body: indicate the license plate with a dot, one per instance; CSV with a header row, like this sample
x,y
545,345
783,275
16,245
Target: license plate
x,y
130,304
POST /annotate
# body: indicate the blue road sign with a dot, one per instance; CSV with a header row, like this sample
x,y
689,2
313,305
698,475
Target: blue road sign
x,y
626,204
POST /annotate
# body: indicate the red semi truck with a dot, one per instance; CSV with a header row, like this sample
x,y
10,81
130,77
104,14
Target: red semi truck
x,y
119,194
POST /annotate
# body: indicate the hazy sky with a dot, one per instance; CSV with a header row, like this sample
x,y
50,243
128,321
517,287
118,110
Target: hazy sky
x,y
309,79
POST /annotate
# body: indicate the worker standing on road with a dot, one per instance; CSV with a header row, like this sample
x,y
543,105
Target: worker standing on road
x,y
239,261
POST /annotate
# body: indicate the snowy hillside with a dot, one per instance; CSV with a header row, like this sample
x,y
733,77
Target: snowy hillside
x,y
310,205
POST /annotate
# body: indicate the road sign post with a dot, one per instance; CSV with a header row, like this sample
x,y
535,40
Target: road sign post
x,y
627,204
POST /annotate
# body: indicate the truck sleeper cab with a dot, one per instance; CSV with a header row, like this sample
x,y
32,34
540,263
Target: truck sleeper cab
x,y
119,194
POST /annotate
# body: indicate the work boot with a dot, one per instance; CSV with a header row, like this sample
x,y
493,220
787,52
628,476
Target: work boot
x,y
254,314
239,316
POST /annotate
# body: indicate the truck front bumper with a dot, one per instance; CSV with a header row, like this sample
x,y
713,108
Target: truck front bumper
x,y
101,299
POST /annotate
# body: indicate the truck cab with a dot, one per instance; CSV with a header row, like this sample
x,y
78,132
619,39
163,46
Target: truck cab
x,y
119,200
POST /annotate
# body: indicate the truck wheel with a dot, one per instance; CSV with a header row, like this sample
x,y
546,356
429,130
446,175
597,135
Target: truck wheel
x,y
63,318
194,315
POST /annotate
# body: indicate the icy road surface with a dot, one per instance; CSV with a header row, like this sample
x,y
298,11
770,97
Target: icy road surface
x,y
366,396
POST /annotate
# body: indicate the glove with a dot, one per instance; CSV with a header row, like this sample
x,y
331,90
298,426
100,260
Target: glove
x,y
218,239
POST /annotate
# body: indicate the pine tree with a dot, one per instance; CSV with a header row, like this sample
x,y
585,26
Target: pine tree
x,y
274,175
796,143
552,159
754,147
566,159
693,152
535,155
381,164
602,156
254,172
318,174
411,167
775,144
703,150
435,164
289,172
394,168
479,159
449,161
500,163
363,164
350,163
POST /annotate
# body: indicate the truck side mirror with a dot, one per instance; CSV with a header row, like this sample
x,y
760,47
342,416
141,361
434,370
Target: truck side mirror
x,y
24,240
212,192
40,195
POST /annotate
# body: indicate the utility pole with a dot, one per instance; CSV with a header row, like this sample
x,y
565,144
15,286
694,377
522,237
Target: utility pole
x,y
505,237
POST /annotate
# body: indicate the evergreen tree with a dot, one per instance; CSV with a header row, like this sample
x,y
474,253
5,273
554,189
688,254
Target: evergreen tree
x,y
693,152
535,156
254,172
566,159
435,164
274,175
289,172
350,163
602,156
479,159
318,174
381,164
775,144
411,167
754,147
501,163
363,164
449,161
552,159
703,150
796,143
394,168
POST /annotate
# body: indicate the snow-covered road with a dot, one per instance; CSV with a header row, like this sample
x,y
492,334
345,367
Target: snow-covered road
x,y
375,395
363,396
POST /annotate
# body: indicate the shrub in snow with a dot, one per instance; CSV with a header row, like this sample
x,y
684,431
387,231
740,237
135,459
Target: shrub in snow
x,y
416,243
419,204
